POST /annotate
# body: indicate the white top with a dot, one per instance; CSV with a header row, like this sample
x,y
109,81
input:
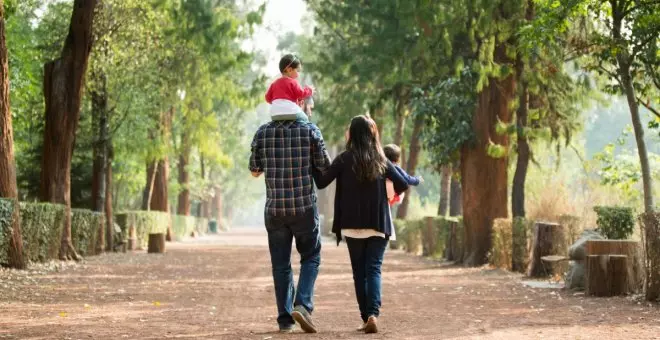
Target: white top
x,y
284,107
366,233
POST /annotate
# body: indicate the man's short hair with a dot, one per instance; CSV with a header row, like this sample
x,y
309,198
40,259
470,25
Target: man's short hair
x,y
392,152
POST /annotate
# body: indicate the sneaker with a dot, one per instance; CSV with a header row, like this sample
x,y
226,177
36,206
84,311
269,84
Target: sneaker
x,y
371,326
302,316
287,329
361,328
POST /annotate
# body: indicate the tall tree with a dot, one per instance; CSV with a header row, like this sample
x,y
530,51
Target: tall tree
x,y
8,186
63,84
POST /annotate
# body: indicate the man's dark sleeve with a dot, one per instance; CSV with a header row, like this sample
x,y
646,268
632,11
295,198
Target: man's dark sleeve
x,y
255,155
320,157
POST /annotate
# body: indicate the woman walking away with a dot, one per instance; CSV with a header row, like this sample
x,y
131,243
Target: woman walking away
x,y
362,212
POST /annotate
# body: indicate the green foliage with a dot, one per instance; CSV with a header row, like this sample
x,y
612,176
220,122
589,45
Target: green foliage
x,y
143,223
41,228
86,226
7,207
184,226
447,108
616,223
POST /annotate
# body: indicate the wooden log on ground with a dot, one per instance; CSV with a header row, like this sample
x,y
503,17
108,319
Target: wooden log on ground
x,y
549,239
606,275
633,251
156,243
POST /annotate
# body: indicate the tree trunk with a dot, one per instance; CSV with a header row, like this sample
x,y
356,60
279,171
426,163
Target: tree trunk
x,y
455,198
651,236
445,189
8,187
415,148
109,220
376,111
183,202
63,83
217,206
522,163
401,115
149,186
484,178
99,96
624,63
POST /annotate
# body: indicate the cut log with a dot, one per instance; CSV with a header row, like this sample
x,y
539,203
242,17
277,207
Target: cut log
x,y
633,251
156,243
549,239
607,275
132,243
454,244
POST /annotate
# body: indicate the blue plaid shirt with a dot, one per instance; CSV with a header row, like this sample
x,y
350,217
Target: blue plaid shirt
x,y
286,151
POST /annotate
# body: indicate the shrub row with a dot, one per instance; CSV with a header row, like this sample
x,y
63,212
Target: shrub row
x,y
42,223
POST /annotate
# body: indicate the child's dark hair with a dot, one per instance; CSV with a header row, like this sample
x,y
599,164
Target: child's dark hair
x,y
289,60
392,152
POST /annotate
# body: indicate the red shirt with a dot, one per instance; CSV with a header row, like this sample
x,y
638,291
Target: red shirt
x,y
287,88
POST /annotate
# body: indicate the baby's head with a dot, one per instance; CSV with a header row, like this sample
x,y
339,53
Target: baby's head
x,y
392,152
290,65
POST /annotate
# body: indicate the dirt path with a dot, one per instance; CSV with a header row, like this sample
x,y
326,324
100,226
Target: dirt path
x,y
220,288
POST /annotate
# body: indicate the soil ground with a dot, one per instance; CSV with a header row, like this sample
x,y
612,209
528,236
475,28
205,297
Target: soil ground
x,y
220,287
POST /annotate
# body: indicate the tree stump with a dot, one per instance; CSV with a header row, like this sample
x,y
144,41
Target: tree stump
x,y
132,243
549,239
429,236
607,275
454,243
633,251
156,243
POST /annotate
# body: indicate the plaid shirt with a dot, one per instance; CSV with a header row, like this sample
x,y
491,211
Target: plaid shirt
x,y
286,151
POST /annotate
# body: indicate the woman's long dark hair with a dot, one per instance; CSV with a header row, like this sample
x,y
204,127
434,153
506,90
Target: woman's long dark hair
x,y
364,144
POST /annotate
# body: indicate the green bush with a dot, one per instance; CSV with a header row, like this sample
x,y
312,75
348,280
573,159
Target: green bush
x,y
201,225
616,223
399,231
143,223
86,227
520,238
41,228
6,213
183,226
501,244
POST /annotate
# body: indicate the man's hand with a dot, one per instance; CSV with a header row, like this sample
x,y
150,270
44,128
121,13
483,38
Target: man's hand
x,y
256,174
421,179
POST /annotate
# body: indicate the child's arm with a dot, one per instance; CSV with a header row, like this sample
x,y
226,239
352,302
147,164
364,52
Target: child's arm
x,y
298,92
411,180
269,95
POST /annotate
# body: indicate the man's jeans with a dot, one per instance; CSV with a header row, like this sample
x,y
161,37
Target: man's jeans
x,y
281,231
366,259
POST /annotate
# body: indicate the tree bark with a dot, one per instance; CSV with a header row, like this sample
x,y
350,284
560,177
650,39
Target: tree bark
x,y
522,163
455,198
99,96
606,275
217,205
624,63
183,202
8,186
445,189
633,252
549,239
63,84
484,178
109,220
401,113
411,165
156,244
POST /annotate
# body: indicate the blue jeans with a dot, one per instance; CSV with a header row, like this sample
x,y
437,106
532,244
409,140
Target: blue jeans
x,y
281,231
366,259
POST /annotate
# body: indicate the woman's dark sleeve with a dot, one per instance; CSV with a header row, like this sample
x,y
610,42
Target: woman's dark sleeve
x,y
325,177
399,182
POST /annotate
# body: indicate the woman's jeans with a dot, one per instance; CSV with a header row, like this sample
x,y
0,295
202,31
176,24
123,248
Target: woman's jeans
x,y
366,259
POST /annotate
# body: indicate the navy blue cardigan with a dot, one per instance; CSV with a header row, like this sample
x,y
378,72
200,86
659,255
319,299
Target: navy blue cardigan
x,y
359,205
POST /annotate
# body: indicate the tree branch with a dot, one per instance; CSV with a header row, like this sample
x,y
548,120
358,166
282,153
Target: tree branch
x,y
649,107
